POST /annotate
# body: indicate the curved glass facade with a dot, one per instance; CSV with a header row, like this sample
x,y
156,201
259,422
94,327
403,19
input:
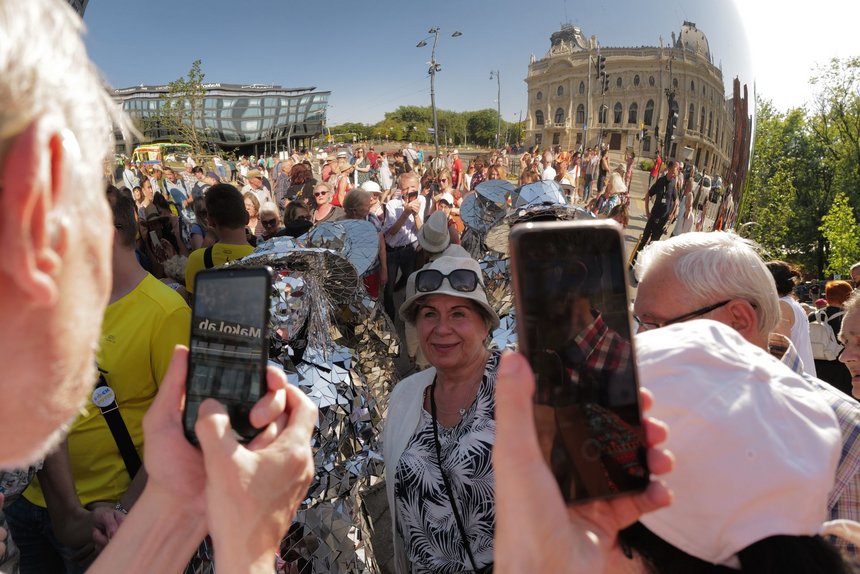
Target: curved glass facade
x,y
236,115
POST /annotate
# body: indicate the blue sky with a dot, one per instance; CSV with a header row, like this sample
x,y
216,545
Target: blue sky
x,y
365,53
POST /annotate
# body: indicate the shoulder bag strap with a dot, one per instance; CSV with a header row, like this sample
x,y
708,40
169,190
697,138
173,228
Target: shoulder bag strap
x,y
448,490
117,427
207,258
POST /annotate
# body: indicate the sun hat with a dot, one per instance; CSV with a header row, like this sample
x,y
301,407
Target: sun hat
x,y
370,186
434,235
253,173
756,446
447,265
341,153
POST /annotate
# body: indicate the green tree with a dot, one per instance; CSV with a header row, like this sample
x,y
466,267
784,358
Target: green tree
x,y
181,113
482,126
839,227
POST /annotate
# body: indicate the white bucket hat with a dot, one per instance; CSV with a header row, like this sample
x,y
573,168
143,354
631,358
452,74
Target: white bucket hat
x,y
370,186
756,446
433,235
446,265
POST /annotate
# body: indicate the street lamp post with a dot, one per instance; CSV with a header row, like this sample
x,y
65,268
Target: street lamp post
x,y
434,67
495,73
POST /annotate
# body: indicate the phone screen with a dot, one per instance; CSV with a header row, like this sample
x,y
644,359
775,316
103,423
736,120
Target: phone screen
x,y
573,326
229,349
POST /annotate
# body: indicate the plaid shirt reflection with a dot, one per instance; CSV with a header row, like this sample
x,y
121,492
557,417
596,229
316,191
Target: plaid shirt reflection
x,y
594,354
844,499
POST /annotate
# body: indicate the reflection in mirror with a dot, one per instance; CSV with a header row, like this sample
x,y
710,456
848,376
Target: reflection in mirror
x,y
670,98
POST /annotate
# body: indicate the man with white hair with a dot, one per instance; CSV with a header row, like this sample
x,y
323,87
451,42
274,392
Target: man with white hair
x,y
720,276
55,279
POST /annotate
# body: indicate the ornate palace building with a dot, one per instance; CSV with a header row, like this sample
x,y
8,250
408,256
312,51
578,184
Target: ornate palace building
x,y
670,98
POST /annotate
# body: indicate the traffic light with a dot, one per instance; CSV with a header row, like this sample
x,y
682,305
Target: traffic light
x,y
601,66
605,84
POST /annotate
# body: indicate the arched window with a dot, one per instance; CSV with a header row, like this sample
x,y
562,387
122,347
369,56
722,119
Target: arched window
x,y
539,117
636,80
692,86
580,115
633,113
674,83
601,117
649,113
581,88
691,118
702,121
710,123
559,91
618,82
539,96
651,81
559,116
617,113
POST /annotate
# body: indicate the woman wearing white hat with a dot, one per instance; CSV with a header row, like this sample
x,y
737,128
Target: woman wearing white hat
x,y
440,427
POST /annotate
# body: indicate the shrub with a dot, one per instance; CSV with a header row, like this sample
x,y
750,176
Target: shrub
x,y
646,164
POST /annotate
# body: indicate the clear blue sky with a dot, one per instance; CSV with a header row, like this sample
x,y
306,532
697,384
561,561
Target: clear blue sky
x,y
365,54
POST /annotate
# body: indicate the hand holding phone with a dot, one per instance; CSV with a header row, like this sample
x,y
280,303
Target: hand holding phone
x,y
229,345
574,328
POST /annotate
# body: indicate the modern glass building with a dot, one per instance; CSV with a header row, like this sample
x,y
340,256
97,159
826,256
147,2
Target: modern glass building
x,y
255,118
79,6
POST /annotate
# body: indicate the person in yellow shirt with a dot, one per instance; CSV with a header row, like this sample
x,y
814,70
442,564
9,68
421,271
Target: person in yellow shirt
x,y
144,321
227,220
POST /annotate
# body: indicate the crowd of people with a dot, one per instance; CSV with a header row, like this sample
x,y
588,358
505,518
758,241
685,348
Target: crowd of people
x,y
754,459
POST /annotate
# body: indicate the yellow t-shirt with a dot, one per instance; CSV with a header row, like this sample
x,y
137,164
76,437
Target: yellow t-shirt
x,y
221,253
139,334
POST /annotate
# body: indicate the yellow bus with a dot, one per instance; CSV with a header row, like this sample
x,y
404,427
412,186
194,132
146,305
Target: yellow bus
x,y
160,152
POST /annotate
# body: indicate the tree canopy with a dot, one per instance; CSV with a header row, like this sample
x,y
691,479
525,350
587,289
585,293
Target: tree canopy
x,y
803,160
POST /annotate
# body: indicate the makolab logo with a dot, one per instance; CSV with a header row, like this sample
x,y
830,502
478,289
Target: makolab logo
x,y
222,327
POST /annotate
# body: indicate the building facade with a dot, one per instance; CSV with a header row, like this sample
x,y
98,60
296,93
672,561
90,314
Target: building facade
x,y
248,117
79,6
643,91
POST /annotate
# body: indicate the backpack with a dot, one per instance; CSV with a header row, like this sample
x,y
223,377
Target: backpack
x,y
825,347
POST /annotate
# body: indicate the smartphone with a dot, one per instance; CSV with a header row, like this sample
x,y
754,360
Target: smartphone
x,y
228,345
574,327
153,237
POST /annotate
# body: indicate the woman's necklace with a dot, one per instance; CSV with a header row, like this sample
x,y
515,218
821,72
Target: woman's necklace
x,y
460,411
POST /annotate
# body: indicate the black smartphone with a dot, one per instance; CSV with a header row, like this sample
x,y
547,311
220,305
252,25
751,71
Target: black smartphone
x,y
574,327
228,345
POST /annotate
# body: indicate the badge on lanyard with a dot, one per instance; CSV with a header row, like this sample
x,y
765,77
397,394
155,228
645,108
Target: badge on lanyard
x,y
103,397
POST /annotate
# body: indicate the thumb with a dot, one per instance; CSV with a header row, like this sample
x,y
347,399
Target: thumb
x,y
167,405
516,437
213,428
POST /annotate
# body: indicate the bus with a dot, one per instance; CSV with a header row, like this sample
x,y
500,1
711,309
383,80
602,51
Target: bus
x,y
160,152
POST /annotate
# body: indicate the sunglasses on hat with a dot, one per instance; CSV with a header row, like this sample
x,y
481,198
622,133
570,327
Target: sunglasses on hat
x,y
463,280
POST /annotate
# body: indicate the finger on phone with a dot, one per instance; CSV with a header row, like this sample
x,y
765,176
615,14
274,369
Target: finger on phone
x,y
168,403
516,443
213,428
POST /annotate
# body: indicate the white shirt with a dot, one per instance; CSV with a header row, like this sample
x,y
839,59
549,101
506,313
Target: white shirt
x,y
548,173
262,194
408,233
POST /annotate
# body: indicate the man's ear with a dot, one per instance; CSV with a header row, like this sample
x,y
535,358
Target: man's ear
x,y
744,318
32,228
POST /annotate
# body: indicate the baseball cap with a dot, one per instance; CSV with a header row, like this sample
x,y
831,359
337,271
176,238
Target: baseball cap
x,y
756,446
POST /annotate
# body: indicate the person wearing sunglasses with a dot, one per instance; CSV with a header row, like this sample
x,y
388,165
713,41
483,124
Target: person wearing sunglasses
x,y
325,211
270,219
720,276
439,431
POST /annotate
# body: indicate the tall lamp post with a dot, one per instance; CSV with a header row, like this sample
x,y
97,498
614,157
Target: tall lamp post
x,y
495,74
434,67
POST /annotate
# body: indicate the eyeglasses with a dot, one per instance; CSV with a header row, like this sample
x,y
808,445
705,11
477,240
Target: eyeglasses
x,y
445,179
269,222
646,326
320,193
463,280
